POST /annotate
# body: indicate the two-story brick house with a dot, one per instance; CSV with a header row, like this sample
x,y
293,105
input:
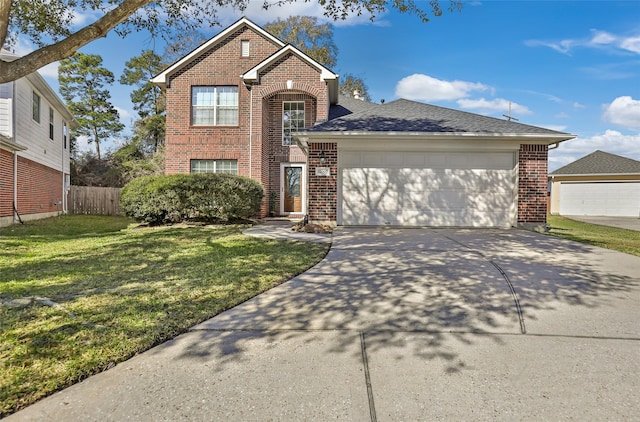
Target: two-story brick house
x,y
246,103
34,149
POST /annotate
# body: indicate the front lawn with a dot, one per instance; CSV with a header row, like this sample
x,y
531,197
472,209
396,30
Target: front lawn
x,y
622,240
81,293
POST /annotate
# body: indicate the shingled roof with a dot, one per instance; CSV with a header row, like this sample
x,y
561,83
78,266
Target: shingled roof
x,y
402,115
600,162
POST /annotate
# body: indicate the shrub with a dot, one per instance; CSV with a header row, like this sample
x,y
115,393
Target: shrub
x,y
191,197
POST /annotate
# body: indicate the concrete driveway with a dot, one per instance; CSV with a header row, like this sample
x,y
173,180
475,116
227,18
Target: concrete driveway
x,y
400,324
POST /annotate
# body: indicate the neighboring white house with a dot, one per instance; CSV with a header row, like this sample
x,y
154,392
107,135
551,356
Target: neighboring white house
x,y
599,184
34,149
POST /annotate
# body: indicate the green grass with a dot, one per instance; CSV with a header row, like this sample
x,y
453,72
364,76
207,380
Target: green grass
x,y
81,293
622,240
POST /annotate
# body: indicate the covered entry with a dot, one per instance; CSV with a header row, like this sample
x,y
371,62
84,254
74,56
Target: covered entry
x,y
427,188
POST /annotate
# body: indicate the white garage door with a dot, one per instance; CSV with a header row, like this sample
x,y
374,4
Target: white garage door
x,y
615,199
441,189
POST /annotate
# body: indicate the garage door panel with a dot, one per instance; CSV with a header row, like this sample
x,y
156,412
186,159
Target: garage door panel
x,y
615,199
434,196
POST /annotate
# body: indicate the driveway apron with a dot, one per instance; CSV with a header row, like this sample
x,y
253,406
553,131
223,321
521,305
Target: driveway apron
x,y
400,324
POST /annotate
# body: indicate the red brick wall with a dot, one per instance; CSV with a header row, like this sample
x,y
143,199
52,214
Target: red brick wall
x,y
323,195
276,152
532,185
39,188
221,65
6,183
260,142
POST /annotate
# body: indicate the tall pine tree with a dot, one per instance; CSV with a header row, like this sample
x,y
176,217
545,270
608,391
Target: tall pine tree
x,y
83,83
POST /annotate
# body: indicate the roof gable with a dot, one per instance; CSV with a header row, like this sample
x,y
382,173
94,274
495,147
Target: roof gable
x,y
600,162
161,79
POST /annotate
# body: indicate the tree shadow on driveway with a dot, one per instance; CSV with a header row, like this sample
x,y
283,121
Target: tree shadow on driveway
x,y
385,283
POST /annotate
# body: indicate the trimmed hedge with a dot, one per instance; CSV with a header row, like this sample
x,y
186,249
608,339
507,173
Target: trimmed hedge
x,y
191,197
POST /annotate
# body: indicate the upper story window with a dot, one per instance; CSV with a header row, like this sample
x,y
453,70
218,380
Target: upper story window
x,y
36,107
292,120
244,48
65,132
51,117
214,105
214,166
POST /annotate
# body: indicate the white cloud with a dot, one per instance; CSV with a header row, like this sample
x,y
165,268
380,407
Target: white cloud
x,y
631,44
426,88
561,115
495,105
123,113
50,70
598,39
610,141
578,105
623,111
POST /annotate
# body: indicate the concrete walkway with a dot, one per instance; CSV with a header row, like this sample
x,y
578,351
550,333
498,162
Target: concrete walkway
x,y
413,324
630,223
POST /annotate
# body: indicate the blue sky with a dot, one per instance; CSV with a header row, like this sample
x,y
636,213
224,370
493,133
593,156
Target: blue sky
x,y
572,66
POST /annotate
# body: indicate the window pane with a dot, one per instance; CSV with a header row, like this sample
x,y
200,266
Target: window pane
x,y
227,166
228,116
214,105
36,107
292,120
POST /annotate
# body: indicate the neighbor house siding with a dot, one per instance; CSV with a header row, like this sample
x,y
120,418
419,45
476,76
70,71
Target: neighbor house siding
x,y
532,184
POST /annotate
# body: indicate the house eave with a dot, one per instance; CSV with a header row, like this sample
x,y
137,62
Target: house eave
x,y
8,144
552,176
532,138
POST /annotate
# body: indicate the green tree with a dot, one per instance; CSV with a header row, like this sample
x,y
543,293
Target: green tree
x,y
350,83
147,98
311,37
49,24
82,84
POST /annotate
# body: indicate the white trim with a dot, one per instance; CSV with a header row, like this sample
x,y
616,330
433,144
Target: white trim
x,y
303,187
161,79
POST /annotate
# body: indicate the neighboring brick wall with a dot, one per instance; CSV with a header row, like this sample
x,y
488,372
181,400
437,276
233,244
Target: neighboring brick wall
x,y
6,183
39,188
532,184
323,190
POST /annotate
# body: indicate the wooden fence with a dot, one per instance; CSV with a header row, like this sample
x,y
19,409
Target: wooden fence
x,y
94,200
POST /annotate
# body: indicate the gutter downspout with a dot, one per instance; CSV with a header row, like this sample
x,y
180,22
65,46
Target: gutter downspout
x,y
16,216
250,128
63,198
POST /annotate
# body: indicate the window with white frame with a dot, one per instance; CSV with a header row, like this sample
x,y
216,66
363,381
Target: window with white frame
x,y
36,107
214,105
244,48
65,133
214,166
51,117
292,120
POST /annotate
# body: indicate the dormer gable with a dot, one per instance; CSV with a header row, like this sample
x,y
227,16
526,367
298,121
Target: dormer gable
x,y
326,75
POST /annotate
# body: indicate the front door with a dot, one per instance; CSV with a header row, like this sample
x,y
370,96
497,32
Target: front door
x,y
292,188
